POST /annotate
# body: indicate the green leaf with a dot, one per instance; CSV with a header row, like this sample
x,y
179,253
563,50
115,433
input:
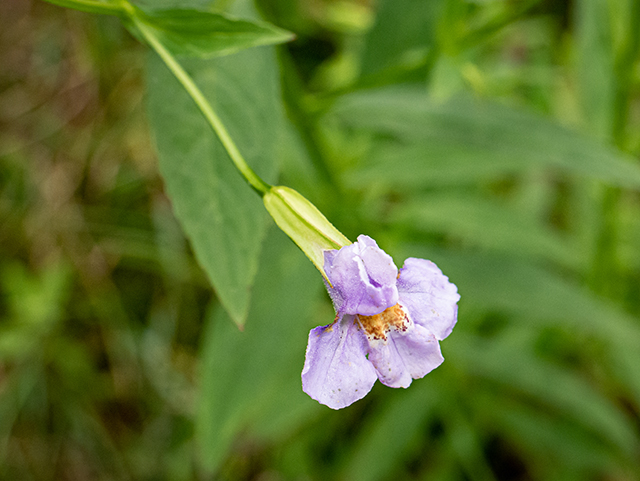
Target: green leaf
x,y
546,441
401,37
19,386
510,360
201,33
304,224
465,443
223,218
479,221
421,142
35,306
595,72
534,296
389,433
521,288
250,381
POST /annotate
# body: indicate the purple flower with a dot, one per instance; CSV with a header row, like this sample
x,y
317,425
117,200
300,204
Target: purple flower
x,y
387,325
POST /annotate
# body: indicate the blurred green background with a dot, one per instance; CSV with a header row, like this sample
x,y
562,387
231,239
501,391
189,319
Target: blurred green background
x,y
499,138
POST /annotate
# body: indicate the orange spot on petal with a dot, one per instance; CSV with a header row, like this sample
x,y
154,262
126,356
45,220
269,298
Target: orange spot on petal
x,y
394,317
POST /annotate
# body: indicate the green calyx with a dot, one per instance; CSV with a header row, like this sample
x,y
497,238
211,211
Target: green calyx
x,y
304,224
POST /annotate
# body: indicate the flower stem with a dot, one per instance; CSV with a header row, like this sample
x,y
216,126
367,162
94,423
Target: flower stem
x,y
260,186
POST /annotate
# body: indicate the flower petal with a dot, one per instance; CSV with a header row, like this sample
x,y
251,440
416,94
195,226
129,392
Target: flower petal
x,y
405,355
389,365
428,296
363,277
419,350
336,372
380,267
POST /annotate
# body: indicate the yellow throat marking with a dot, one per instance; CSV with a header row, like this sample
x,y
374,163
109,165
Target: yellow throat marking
x,y
378,325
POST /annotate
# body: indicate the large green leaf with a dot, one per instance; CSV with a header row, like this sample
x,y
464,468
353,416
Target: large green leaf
x,y
222,216
478,221
202,33
426,142
250,381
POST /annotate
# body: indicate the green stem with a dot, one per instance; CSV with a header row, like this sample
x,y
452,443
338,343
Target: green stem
x,y
90,6
198,97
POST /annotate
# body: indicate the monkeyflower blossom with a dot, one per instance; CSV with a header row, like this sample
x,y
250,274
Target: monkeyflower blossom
x,y
387,324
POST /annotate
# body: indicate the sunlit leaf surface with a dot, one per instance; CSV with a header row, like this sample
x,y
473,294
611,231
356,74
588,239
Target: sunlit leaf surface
x,y
202,33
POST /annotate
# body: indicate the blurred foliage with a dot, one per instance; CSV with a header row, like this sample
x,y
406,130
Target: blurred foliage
x,y
498,138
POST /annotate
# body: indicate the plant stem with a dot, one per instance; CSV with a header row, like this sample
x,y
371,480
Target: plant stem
x,y
260,186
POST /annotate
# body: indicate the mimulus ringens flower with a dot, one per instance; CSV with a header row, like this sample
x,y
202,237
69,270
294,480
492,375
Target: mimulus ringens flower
x,y
387,325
